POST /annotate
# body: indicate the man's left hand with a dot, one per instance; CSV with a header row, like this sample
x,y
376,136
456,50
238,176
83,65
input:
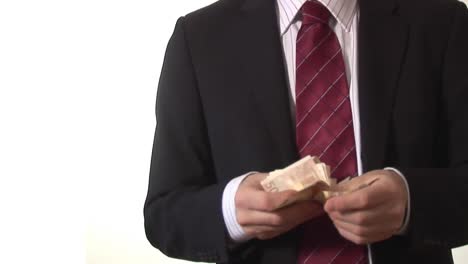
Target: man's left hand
x,y
373,213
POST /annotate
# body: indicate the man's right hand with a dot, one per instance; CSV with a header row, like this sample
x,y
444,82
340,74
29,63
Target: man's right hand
x,y
257,214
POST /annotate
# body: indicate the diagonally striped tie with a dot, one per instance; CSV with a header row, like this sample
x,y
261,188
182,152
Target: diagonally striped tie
x,y
324,127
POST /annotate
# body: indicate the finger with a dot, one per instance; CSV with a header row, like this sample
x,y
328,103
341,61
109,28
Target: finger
x,y
253,199
254,230
291,215
384,215
361,240
352,237
259,218
365,198
360,217
272,234
368,232
255,180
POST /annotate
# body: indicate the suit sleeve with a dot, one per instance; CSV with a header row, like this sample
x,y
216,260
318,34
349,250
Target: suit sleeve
x,y
182,211
439,197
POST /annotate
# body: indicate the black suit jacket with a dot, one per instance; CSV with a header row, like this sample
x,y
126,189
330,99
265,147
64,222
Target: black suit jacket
x,y
223,110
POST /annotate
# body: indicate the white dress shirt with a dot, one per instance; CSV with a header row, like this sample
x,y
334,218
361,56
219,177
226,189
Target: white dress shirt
x,y
344,22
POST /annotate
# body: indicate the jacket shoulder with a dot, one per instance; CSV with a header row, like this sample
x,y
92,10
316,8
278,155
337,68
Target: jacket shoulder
x,y
213,14
431,11
207,27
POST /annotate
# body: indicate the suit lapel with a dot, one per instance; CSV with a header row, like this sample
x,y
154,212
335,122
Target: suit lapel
x,y
382,45
261,58
258,51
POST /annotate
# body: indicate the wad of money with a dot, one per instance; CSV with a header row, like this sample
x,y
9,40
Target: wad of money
x,y
310,178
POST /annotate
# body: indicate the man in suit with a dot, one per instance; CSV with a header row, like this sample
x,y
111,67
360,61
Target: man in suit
x,y
376,88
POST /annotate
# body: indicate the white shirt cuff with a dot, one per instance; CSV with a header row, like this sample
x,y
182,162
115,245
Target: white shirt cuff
x,y
404,227
236,233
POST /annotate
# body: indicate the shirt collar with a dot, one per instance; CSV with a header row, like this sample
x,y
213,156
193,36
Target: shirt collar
x,y
342,10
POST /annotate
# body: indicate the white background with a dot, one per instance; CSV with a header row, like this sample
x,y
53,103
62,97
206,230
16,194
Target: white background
x,y
77,91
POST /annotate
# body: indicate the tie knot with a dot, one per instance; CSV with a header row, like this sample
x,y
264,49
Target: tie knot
x,y
314,12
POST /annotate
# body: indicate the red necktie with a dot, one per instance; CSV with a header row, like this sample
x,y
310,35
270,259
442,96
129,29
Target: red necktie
x,y
324,128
